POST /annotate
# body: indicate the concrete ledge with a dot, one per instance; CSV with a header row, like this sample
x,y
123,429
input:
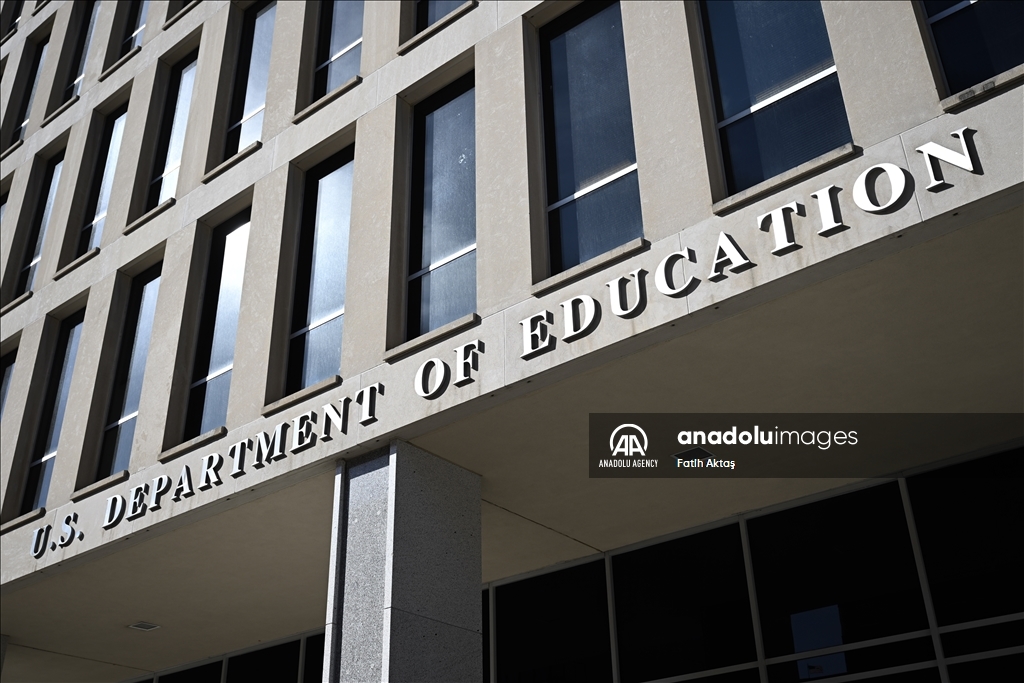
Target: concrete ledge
x,y
58,111
15,145
15,302
432,337
598,262
983,90
39,6
437,26
148,216
201,440
182,12
790,177
22,521
87,256
9,34
228,163
328,98
301,395
117,65
115,478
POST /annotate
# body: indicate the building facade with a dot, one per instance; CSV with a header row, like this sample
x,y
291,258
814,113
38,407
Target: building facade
x,y
307,308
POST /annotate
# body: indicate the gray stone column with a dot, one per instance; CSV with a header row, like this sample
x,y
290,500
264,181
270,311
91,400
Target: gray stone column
x,y
404,586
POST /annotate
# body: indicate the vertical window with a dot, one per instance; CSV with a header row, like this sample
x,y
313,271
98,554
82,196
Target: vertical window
x,y
593,193
429,12
11,15
339,45
40,224
250,94
131,364
7,366
25,107
103,181
319,306
172,132
976,40
134,26
81,53
215,346
442,254
52,418
776,90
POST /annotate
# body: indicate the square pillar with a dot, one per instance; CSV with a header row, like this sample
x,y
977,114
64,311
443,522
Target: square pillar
x,y
404,586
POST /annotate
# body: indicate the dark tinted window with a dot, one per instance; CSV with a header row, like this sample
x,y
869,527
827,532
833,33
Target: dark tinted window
x,y
834,572
339,45
207,673
86,16
103,180
313,660
40,225
969,519
554,628
250,93
442,250
593,196
28,94
673,617
976,41
277,663
172,131
757,52
7,366
428,12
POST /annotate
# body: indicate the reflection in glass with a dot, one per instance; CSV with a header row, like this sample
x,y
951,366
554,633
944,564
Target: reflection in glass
x,y
103,181
442,258
135,25
172,132
777,97
428,12
339,45
29,95
88,14
131,365
215,346
322,266
251,77
40,225
52,418
976,41
7,366
588,128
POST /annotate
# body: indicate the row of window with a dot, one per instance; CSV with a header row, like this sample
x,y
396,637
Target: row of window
x,y
592,188
910,581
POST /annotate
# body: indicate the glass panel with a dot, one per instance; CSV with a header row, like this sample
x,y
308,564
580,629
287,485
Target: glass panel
x,y
207,673
112,146
249,132
182,105
26,104
837,571
428,12
984,639
208,405
999,669
757,49
338,72
797,128
666,628
316,354
259,63
979,42
229,298
595,223
135,26
277,663
38,486
445,216
7,363
485,621
75,77
588,122
346,25
554,627
933,7
850,662
117,449
965,515
28,275
313,662
166,187
442,295
67,368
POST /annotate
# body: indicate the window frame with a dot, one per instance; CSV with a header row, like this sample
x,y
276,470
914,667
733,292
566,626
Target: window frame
x,y
322,33
42,216
237,116
165,131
